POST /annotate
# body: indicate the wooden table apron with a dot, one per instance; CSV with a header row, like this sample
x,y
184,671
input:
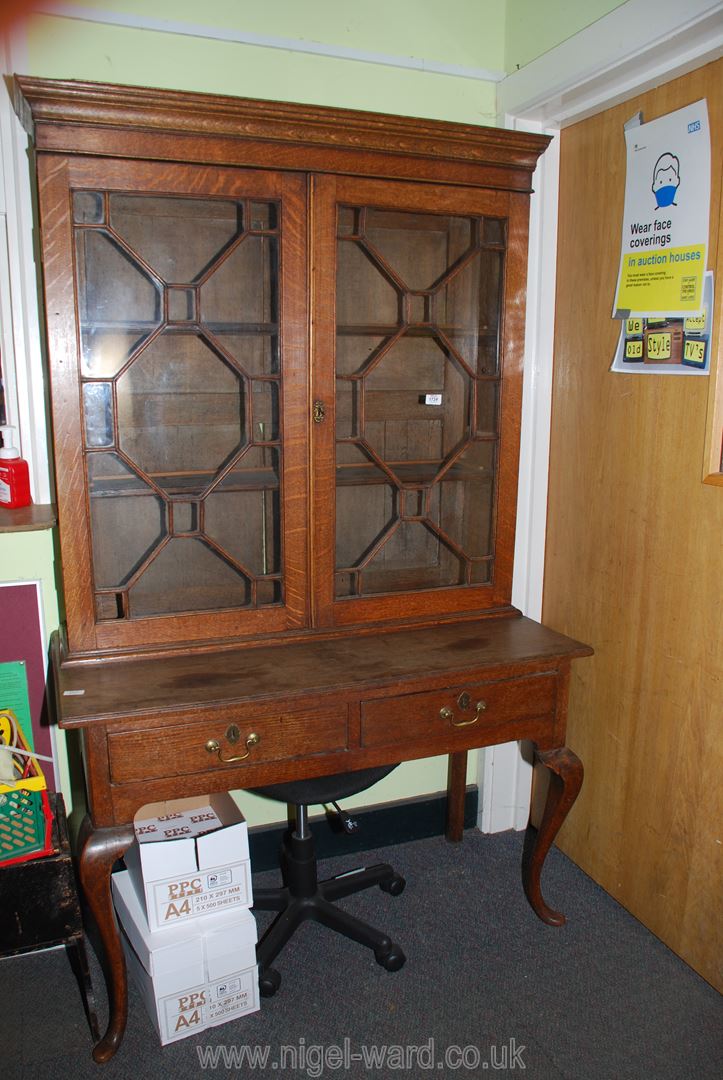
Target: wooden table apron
x,y
305,709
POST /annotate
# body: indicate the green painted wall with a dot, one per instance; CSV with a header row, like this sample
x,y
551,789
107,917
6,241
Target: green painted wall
x,y
463,32
533,27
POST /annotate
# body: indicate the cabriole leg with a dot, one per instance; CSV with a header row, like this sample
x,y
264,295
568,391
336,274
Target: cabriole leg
x,y
566,772
99,850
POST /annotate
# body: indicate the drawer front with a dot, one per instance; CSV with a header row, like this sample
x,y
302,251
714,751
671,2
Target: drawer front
x,y
261,735
456,714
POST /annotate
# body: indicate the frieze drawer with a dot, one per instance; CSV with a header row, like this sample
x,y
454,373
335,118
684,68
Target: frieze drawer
x,y
459,711
225,738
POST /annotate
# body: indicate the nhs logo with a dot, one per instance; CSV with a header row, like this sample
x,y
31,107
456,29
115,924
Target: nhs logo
x,y
694,126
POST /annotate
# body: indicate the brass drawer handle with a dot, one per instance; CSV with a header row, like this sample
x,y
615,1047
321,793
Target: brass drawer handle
x,y
448,714
214,747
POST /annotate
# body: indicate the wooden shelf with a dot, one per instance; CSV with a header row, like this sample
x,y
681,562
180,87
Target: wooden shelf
x,y
410,474
180,484
28,518
414,330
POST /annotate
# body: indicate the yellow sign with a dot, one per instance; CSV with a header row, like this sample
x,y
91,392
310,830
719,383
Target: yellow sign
x,y
674,277
633,350
695,323
633,326
694,351
659,346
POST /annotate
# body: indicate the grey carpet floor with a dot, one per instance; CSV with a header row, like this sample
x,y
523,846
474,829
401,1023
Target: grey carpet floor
x,y
487,990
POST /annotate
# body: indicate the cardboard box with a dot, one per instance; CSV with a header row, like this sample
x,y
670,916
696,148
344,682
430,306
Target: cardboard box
x,y
190,858
193,975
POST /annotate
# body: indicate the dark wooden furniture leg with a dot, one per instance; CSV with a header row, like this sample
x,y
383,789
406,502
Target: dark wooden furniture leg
x,y
99,850
78,956
566,773
456,785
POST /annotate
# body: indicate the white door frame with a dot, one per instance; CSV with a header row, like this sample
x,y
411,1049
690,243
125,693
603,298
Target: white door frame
x,y
640,44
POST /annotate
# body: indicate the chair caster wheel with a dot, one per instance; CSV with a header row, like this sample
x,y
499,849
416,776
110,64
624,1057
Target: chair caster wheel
x,y
394,885
269,982
392,960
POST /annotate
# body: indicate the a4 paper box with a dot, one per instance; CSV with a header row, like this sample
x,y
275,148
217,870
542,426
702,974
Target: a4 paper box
x,y
190,858
193,975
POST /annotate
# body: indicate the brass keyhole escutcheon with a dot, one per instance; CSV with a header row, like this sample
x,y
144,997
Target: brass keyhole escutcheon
x,y
464,700
233,734
319,412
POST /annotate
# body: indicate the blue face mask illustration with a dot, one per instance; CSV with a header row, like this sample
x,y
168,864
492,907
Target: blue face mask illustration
x,y
666,180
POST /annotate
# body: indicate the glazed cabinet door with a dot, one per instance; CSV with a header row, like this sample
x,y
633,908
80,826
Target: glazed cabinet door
x,y
176,309
417,344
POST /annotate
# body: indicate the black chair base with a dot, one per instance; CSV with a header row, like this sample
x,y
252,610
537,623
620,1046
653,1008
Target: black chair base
x,y
302,897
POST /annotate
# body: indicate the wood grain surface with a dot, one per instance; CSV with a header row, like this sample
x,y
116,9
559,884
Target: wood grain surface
x,y
634,565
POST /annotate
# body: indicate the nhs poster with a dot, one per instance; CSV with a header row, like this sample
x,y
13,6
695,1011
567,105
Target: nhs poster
x,y
665,222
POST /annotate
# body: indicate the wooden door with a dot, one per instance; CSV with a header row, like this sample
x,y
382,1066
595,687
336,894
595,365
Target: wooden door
x,y
416,345
176,301
634,565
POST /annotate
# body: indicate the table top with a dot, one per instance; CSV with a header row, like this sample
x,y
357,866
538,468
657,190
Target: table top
x,y
111,688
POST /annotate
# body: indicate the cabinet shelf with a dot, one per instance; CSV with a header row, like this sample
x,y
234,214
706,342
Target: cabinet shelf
x,y
140,326
414,330
180,484
410,474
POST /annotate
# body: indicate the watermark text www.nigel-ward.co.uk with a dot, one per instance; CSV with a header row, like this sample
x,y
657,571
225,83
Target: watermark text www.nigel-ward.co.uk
x,y
314,1060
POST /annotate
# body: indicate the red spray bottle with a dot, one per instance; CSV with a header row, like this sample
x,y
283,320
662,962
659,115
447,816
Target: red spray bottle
x,y
14,475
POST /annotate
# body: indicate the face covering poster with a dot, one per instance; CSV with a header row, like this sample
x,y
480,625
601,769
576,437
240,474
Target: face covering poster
x,y
665,222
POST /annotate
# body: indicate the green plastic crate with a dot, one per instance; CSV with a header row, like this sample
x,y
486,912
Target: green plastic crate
x,y
25,825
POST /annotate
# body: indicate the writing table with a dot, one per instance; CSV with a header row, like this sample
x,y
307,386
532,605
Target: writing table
x,y
177,725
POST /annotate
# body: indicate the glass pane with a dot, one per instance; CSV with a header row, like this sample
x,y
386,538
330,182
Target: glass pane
x,y
98,413
119,303
494,231
180,239
364,516
187,575
243,515
88,208
181,305
412,558
241,291
180,412
239,305
419,298
416,401
127,520
354,351
465,514
245,524
347,408
365,296
419,248
263,216
265,410
467,309
487,397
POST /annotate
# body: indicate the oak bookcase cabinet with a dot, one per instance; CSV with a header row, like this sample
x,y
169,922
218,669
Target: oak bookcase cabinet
x,y
285,349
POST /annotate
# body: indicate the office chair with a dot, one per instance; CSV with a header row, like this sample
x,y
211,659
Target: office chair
x,y
302,896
